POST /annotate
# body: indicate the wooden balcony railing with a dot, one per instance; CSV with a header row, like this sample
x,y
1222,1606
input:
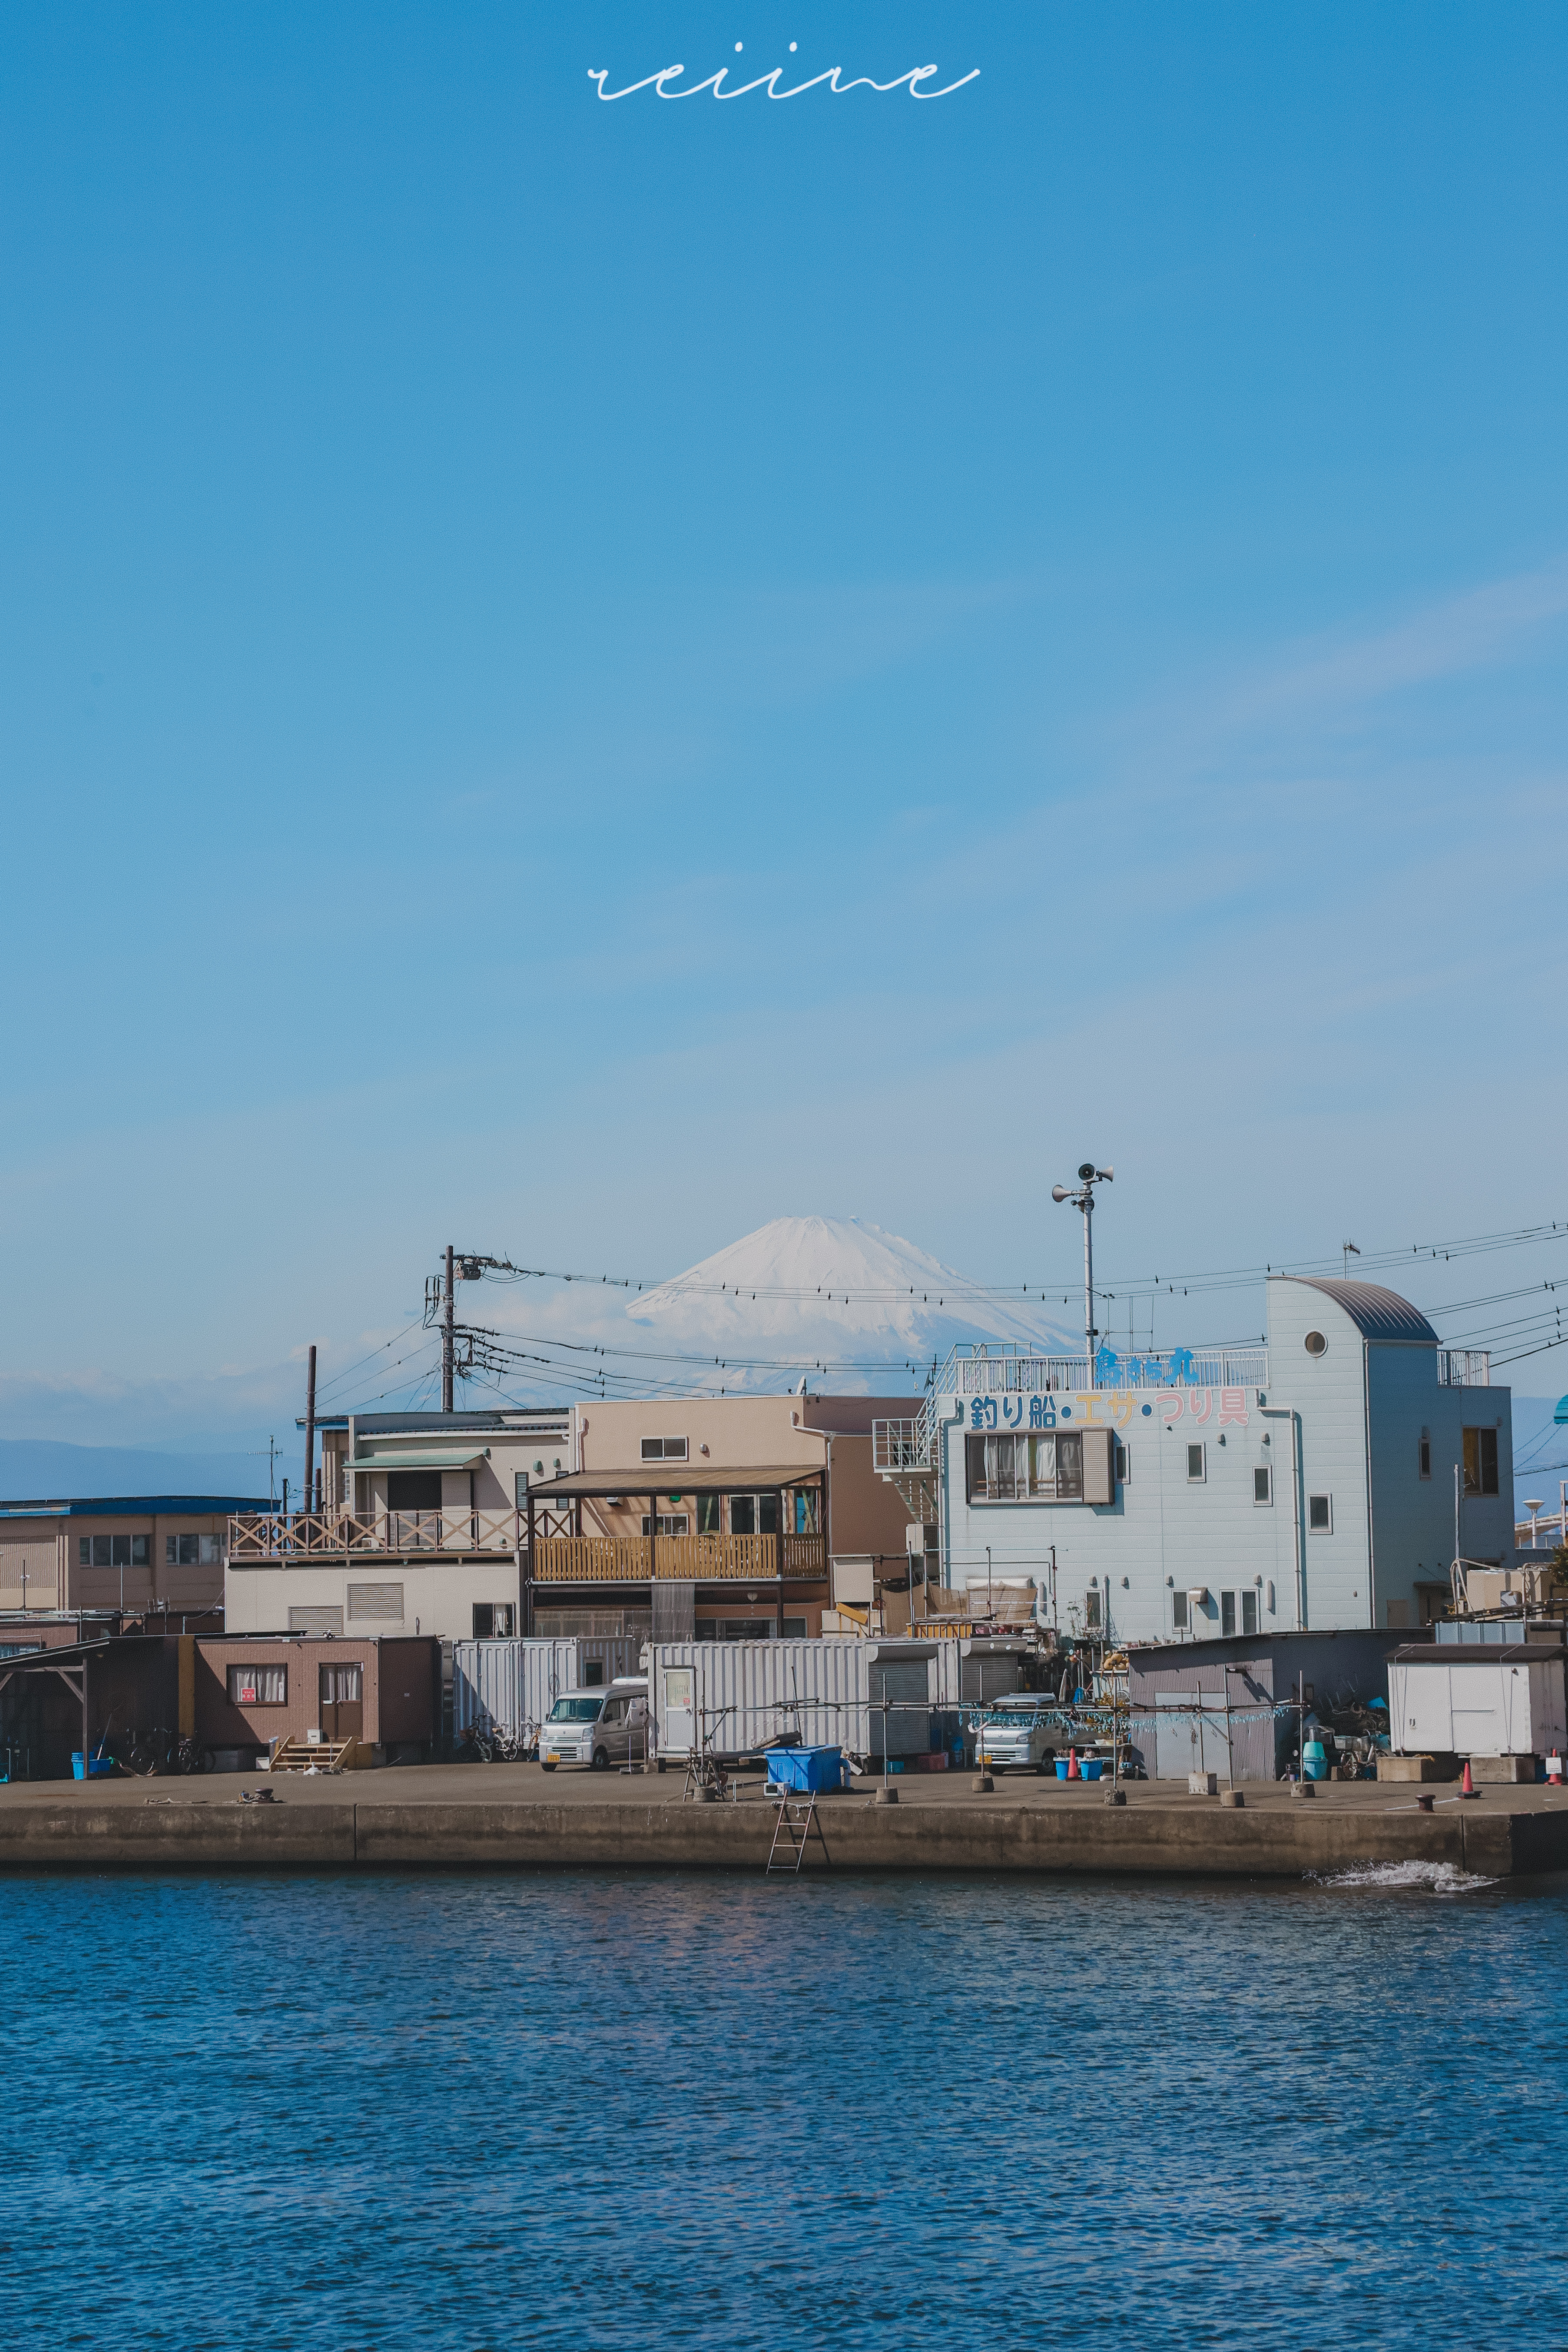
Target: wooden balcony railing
x,y
298,1536
695,1559
277,1538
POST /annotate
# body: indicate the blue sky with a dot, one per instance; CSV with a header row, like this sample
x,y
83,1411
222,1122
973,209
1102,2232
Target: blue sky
x,y
578,677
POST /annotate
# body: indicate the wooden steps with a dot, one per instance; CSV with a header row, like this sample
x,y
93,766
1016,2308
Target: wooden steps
x,y
319,1755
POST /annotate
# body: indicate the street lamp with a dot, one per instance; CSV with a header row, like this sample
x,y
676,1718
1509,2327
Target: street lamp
x,y
1538,1505
1088,1176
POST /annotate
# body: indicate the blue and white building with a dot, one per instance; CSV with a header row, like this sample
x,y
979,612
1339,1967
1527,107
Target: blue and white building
x,y
1322,1480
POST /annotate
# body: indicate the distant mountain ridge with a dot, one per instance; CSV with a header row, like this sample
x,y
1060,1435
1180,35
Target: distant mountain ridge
x,y
38,1469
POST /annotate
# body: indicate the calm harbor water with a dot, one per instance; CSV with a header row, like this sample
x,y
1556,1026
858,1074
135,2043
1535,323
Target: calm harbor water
x,y
537,2111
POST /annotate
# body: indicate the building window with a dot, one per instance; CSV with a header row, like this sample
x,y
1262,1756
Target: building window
x,y
1091,1609
114,1551
1321,1513
492,1621
664,1449
410,1492
1249,1613
192,1551
753,1515
1227,1613
1195,1466
670,1523
1480,1462
1026,1469
1122,1469
1263,1485
1424,1457
1179,1612
1316,1344
706,1516
258,1685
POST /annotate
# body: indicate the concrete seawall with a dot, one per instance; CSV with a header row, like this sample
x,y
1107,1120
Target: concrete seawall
x,y
330,1832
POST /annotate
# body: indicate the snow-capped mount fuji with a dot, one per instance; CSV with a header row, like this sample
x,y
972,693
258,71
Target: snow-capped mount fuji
x,y
839,1301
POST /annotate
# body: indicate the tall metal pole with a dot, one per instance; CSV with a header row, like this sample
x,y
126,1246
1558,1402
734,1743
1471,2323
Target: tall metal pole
x,y
1089,1333
310,1429
447,1338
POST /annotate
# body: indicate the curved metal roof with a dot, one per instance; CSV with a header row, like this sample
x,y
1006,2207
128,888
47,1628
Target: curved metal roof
x,y
1377,1314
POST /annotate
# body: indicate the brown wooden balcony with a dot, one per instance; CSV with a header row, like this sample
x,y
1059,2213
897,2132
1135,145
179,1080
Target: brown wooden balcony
x,y
693,1559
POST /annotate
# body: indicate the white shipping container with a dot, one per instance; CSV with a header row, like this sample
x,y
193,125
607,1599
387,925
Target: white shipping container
x,y
737,1697
515,1683
1509,1704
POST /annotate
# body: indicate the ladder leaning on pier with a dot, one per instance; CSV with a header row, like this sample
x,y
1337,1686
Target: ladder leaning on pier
x,y
795,1824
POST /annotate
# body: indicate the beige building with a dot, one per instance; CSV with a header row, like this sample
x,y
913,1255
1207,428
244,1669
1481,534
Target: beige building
x,y
424,1519
141,1555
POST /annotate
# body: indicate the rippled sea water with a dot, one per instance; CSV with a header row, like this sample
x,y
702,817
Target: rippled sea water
x,y
532,2111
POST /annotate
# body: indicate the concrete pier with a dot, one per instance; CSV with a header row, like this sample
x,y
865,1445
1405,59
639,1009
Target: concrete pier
x,y
516,1817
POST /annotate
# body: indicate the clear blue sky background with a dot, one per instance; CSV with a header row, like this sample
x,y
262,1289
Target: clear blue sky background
x,y
579,676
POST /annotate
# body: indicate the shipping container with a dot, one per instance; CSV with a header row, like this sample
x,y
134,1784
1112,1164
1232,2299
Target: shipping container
x,y
1486,1700
517,1683
735,1698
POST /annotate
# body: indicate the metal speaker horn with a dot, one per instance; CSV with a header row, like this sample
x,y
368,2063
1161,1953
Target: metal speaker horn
x,y
1059,1192
1086,1173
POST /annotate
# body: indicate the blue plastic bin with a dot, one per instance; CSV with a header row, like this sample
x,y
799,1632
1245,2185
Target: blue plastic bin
x,y
806,1768
91,1768
1092,1766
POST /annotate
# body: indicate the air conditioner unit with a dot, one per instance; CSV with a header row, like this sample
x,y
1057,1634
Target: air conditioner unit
x,y
1197,1594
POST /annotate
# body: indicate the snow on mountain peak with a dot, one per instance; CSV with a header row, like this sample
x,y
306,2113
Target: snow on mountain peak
x,y
838,1298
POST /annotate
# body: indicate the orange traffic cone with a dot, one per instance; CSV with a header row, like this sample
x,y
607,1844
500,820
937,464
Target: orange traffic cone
x,y
1073,1772
1466,1786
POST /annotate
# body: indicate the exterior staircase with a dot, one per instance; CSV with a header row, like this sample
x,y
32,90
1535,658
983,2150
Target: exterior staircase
x,y
319,1755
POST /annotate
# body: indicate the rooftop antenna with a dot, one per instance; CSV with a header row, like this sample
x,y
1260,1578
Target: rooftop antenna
x,y
1347,1251
1088,1176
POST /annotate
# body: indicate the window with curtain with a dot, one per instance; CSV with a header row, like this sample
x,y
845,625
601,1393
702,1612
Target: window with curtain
x,y
258,1685
1021,1468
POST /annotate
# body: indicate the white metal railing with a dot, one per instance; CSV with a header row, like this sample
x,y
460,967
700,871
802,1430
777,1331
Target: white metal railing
x,y
900,1445
1464,1367
971,1371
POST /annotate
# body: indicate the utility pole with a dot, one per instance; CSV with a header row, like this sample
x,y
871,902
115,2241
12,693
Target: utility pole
x,y
310,1428
1088,1176
447,1338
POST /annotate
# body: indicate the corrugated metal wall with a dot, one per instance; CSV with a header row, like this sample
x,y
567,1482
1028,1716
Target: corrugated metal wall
x,y
519,1682
743,1694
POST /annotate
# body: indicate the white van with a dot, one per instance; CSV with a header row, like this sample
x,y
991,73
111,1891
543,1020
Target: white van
x,y
1016,1736
597,1727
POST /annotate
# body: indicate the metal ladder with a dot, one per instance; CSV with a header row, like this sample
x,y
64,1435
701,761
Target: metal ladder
x,y
796,1820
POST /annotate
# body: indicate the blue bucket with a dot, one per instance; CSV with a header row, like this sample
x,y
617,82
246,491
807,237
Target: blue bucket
x,y
91,1768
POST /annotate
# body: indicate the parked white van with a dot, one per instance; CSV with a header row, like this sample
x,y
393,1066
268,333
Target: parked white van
x,y
1016,1737
597,1727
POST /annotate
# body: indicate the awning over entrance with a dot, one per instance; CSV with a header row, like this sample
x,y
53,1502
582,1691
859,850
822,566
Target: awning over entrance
x,y
419,1461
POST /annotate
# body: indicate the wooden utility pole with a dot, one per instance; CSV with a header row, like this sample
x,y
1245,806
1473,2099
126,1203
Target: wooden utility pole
x,y
310,1429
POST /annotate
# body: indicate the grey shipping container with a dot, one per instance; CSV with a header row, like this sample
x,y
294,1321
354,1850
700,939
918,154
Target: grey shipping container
x,y
515,1683
737,1697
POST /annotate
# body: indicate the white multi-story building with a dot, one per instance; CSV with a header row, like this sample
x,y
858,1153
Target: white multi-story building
x,y
1323,1480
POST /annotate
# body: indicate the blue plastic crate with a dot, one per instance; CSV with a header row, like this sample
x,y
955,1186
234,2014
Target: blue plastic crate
x,y
806,1768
